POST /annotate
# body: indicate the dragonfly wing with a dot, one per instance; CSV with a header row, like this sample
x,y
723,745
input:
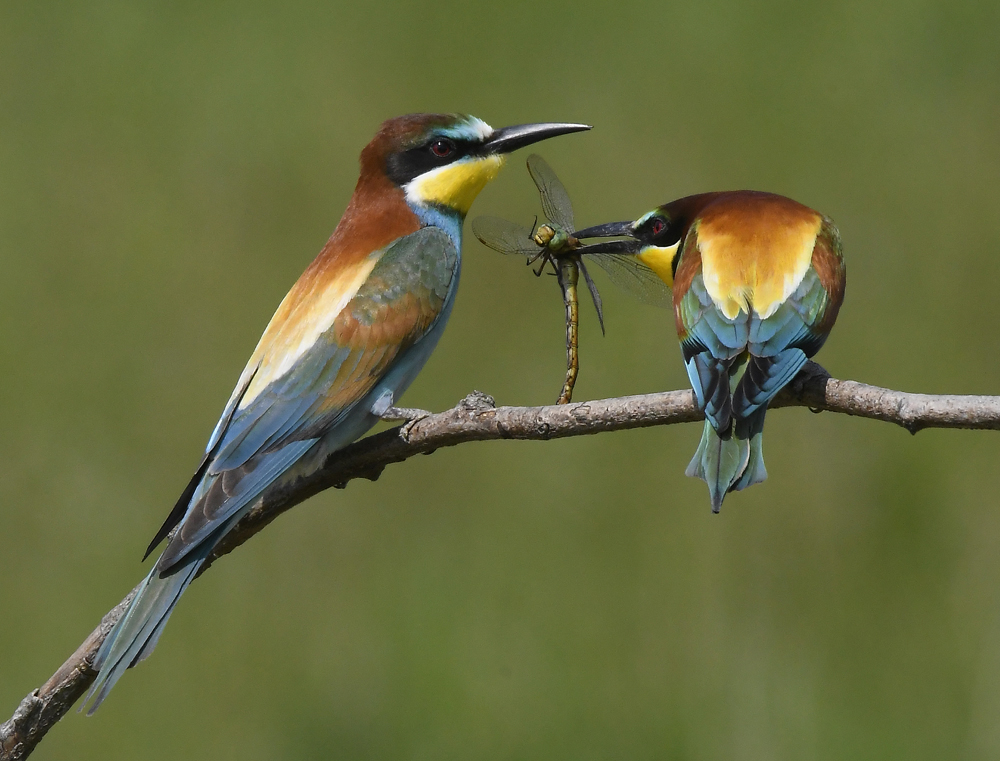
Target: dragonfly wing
x,y
503,236
630,274
555,200
594,294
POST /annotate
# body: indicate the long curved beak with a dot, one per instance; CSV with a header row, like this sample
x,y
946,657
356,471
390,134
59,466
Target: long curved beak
x,y
607,230
510,139
630,246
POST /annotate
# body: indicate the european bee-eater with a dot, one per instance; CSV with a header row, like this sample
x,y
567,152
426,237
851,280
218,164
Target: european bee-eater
x,y
757,282
344,344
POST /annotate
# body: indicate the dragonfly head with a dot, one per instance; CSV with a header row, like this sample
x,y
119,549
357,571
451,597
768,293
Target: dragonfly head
x,y
554,238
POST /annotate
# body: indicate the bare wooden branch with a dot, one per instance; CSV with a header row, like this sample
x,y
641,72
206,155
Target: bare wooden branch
x,y
476,418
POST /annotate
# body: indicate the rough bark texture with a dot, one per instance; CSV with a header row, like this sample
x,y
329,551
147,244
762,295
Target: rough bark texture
x,y
476,418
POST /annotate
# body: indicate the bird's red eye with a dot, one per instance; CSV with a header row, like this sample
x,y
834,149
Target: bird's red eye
x,y
658,226
442,148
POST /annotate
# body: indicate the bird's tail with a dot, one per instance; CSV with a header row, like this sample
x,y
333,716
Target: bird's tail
x,y
732,460
751,429
136,633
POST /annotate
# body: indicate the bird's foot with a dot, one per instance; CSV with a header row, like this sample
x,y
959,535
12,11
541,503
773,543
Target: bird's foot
x,y
384,410
411,415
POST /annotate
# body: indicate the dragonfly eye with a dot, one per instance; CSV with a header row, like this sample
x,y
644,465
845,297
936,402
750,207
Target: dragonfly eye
x,y
658,226
442,148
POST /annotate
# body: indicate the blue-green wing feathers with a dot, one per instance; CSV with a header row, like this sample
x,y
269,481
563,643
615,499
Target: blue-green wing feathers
x,y
268,435
394,310
736,367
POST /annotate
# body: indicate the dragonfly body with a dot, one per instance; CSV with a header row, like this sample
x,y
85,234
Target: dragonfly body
x,y
559,244
568,273
758,280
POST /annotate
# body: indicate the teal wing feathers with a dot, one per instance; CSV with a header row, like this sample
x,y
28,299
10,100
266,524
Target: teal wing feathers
x,y
396,307
712,347
781,344
392,310
736,366
774,348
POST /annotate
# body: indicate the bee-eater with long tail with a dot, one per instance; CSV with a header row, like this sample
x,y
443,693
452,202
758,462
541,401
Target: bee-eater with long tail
x,y
758,280
344,344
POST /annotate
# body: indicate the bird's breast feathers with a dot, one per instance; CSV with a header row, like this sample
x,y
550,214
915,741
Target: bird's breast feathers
x,y
754,253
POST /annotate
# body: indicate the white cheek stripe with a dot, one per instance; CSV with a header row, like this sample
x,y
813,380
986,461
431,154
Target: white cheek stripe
x,y
412,189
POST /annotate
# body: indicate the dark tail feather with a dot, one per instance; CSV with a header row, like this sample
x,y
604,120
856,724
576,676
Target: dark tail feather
x,y
177,514
752,430
719,462
137,632
714,388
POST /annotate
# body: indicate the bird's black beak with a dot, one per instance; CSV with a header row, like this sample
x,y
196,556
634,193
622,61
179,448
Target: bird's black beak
x,y
630,246
510,139
609,230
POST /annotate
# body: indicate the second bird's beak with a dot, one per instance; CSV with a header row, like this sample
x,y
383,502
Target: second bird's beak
x,y
609,230
510,139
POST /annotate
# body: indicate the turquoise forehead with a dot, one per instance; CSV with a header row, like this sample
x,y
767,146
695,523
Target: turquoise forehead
x,y
465,128
647,216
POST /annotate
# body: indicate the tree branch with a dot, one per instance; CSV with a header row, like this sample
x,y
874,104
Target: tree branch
x,y
476,418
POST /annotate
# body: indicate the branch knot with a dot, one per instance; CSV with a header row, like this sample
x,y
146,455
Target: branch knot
x,y
477,401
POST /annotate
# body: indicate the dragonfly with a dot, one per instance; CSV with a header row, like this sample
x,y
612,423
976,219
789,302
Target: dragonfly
x,y
553,244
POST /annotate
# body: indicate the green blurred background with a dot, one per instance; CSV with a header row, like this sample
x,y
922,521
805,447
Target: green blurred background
x,y
168,169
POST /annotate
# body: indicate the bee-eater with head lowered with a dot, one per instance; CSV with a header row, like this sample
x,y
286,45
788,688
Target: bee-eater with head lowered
x,y
758,280
345,342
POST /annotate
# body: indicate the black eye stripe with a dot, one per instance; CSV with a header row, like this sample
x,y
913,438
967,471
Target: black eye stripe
x,y
661,232
404,166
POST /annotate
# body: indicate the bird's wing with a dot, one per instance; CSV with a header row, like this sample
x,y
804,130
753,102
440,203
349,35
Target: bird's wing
x,y
711,344
263,435
781,344
763,378
778,346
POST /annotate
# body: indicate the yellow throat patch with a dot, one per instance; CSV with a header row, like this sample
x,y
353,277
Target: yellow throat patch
x,y
455,185
661,261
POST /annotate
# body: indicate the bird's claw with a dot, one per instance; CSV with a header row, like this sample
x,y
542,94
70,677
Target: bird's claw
x,y
411,415
384,409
